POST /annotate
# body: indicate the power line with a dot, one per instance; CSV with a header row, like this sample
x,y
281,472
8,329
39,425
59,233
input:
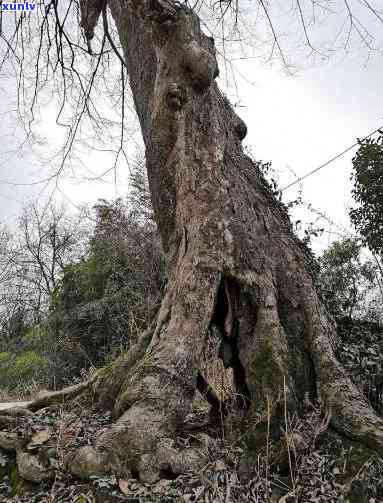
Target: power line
x,y
301,178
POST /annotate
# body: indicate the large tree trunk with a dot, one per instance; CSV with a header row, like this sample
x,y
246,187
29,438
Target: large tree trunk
x,y
233,261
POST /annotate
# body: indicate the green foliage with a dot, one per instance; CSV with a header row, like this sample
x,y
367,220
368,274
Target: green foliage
x,y
346,280
98,303
12,328
104,300
35,338
4,358
81,282
359,348
28,366
368,193
123,249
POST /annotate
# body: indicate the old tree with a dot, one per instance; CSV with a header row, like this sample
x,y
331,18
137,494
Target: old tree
x,y
233,262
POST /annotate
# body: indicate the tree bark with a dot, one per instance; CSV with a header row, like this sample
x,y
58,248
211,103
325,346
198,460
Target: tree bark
x,y
233,261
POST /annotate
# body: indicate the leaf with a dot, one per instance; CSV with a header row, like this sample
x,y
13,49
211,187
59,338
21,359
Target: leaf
x,y
124,486
39,438
198,491
161,486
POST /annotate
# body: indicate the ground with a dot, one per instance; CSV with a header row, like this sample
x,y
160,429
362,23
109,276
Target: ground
x,y
318,468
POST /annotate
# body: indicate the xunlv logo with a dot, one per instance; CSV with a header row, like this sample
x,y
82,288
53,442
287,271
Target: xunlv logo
x,y
18,6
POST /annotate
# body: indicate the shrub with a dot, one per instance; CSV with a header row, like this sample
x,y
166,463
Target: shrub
x,y
21,371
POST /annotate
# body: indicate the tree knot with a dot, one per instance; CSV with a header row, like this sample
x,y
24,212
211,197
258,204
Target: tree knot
x,y
200,64
176,96
240,128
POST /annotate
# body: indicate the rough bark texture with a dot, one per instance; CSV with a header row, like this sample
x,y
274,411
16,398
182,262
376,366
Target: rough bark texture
x,y
233,261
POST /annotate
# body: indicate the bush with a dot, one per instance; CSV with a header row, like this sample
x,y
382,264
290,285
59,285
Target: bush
x,y
20,371
368,193
29,366
99,303
103,301
348,281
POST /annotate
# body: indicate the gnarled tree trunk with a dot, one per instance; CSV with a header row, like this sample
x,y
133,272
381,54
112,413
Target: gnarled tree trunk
x,y
233,261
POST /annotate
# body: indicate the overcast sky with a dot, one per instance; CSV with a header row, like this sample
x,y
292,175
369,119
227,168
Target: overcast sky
x,y
298,122
301,122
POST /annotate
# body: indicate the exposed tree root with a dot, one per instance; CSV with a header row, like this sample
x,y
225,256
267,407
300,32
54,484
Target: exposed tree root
x,y
142,441
57,397
165,459
102,388
16,412
150,389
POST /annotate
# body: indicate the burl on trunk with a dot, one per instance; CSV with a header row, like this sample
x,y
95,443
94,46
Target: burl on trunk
x,y
233,262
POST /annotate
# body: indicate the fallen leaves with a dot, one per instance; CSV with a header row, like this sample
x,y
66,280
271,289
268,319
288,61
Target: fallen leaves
x,y
39,438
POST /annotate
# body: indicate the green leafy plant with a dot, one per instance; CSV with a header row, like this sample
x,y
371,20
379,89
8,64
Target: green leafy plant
x,y
347,280
368,193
